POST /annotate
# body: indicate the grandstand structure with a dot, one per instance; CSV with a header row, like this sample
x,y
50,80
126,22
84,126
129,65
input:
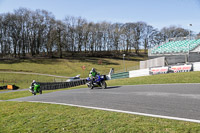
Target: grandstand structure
x,y
181,50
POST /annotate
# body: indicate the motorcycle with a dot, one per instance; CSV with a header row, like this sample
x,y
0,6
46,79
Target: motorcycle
x,y
35,89
98,81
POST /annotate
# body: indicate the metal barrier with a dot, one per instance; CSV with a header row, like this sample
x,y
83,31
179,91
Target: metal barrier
x,y
120,75
60,85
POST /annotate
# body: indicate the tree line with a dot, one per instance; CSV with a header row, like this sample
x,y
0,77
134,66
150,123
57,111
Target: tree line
x,y
33,32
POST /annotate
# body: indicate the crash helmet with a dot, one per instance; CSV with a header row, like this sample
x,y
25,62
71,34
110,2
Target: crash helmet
x,y
33,81
93,70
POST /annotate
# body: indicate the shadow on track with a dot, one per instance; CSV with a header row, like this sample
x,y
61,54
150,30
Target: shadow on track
x,y
113,87
110,87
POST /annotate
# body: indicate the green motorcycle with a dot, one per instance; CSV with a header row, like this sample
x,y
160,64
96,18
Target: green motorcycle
x,y
35,89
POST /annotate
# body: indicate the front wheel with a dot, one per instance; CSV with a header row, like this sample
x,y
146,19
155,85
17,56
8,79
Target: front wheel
x,y
103,85
90,85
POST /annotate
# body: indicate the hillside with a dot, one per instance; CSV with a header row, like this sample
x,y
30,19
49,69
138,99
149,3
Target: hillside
x,y
62,67
67,67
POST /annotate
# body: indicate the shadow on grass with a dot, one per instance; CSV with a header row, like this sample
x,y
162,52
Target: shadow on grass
x,y
55,61
36,61
93,60
84,59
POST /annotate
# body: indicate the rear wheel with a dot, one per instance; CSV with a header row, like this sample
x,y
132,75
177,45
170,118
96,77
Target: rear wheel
x,y
40,91
103,84
91,86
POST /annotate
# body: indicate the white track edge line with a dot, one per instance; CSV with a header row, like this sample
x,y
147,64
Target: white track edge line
x,y
121,111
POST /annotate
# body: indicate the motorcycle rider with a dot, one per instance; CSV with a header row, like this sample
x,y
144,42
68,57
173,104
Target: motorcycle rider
x,y
32,85
35,87
93,74
96,80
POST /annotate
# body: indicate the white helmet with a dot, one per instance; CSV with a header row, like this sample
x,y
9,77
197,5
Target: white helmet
x,y
33,81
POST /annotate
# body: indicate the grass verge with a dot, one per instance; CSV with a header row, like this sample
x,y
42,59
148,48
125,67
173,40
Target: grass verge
x,y
23,80
187,77
38,117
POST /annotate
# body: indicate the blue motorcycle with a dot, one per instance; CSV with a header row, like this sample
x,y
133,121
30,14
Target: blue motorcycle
x,y
98,81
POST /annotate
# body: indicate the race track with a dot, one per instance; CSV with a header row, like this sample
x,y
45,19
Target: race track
x,y
172,100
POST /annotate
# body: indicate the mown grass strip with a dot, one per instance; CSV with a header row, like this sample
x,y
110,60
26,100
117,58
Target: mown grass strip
x,y
38,117
187,77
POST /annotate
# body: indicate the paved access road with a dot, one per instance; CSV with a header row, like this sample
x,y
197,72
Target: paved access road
x,y
174,100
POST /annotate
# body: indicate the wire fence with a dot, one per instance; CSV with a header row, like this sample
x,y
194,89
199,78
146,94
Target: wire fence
x,y
60,85
48,85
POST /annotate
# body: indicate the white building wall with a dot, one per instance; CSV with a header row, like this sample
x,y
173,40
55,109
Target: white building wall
x,y
138,73
196,66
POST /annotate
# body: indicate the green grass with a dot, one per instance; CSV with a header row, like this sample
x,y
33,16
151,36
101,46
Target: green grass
x,y
23,80
67,67
38,117
63,67
13,95
187,77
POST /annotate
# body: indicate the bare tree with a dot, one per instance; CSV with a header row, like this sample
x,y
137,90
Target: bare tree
x,y
148,36
34,32
173,32
60,34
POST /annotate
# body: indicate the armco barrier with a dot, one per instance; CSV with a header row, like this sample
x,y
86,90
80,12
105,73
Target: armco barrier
x,y
120,75
157,70
60,85
171,69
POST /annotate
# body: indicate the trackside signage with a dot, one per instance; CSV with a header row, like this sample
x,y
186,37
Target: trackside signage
x,y
171,69
158,70
182,68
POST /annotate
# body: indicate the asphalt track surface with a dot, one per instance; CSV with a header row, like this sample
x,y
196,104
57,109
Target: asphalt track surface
x,y
171,100
7,91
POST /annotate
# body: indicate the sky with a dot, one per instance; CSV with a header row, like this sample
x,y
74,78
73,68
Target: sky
x,y
158,13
